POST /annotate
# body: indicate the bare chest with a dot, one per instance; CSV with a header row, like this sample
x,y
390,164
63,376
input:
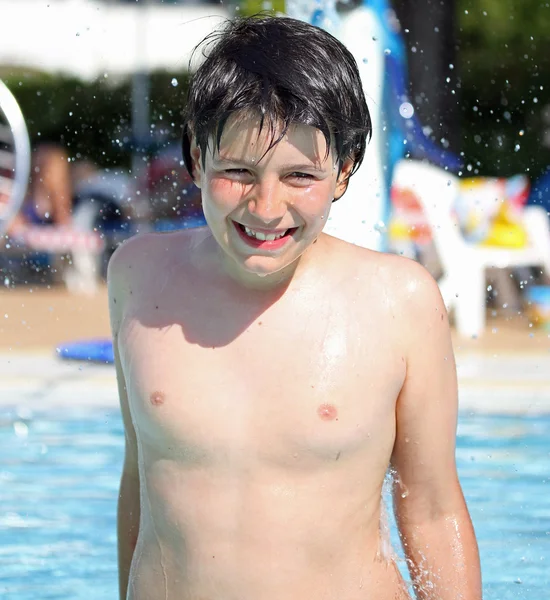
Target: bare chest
x,y
268,390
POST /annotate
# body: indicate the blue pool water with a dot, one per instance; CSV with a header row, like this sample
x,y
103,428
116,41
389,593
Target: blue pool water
x,y
59,476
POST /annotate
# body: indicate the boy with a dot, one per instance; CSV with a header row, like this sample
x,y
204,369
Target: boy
x,y
269,374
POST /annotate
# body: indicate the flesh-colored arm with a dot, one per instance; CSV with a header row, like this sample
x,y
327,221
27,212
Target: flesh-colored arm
x,y
128,509
431,513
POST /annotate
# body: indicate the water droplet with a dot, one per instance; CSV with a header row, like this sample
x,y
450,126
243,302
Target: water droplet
x,y
21,429
174,82
406,110
380,227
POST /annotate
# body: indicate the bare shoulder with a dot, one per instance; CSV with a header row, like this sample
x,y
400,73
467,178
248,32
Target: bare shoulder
x,y
137,263
420,311
121,272
125,253
145,250
410,281
403,285
134,252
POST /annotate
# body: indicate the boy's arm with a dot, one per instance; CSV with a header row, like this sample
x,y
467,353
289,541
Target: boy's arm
x,y
432,517
128,509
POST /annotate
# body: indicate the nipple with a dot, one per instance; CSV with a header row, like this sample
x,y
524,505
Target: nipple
x,y
157,398
327,412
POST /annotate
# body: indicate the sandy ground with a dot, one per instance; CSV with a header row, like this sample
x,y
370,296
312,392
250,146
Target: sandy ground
x,y
38,318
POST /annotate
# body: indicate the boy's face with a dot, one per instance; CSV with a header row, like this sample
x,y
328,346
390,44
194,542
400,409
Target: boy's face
x,y
249,200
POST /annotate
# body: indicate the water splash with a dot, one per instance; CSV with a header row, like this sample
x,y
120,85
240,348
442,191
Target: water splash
x,y
321,13
386,551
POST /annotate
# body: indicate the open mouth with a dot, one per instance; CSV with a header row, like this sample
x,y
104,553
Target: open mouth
x,y
259,239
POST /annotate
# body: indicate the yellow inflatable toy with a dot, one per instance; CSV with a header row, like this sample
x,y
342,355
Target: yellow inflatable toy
x,y
488,211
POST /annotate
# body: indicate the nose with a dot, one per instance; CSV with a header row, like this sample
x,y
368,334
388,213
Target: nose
x,y
267,201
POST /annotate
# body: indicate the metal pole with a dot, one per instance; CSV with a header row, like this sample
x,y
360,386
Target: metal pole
x,y
141,115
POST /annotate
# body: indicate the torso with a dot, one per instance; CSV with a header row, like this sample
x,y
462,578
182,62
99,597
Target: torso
x,y
265,428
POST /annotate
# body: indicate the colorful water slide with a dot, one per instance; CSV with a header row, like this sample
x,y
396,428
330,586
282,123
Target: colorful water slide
x,y
371,31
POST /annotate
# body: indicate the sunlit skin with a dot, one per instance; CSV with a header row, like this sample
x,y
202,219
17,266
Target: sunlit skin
x,y
266,389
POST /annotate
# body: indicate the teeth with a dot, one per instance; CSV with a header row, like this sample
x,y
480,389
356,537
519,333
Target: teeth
x,y
269,237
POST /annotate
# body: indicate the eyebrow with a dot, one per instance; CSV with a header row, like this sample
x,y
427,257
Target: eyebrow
x,y
293,167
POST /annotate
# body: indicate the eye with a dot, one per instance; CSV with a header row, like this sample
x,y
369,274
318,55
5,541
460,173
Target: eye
x,y
236,172
298,178
299,175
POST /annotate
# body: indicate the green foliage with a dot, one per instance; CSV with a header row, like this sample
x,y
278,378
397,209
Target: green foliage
x,y
253,7
504,66
502,31
93,120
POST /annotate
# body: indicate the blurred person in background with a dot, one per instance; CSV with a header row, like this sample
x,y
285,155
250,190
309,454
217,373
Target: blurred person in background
x,y
49,197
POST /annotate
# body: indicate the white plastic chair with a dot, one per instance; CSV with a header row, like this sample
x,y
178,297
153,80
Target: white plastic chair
x,y
463,285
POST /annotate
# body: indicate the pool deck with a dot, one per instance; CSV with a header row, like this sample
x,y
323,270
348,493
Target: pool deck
x,y
506,370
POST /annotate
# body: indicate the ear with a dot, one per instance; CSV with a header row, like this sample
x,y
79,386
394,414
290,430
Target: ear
x,y
196,164
343,178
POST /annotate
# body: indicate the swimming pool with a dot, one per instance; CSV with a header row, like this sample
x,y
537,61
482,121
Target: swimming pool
x,y
59,475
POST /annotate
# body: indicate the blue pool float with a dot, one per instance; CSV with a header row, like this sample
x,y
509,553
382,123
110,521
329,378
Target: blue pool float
x,y
98,350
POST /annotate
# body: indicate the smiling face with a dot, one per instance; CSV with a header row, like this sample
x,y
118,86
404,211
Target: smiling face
x,y
266,208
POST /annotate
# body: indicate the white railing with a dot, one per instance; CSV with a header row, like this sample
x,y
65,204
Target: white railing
x,y
19,158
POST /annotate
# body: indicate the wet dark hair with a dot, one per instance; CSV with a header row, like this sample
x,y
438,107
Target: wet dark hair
x,y
285,71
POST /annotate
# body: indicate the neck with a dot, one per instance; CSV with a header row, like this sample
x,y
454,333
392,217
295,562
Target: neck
x,y
269,282
275,282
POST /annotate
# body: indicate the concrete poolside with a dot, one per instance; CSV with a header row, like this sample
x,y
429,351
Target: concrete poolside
x,y
506,370
511,384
